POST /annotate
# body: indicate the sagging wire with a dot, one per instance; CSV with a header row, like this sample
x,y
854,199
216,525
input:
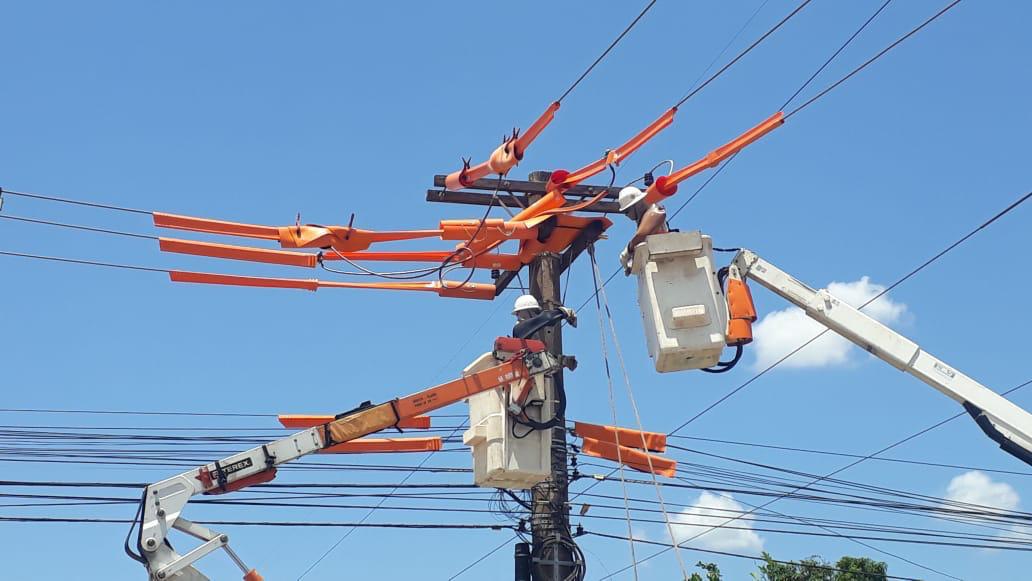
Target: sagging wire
x,y
465,247
612,409
647,176
596,278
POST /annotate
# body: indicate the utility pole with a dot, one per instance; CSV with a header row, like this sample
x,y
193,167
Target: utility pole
x,y
552,555
553,558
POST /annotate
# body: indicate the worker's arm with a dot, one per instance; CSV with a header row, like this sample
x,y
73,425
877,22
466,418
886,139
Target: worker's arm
x,y
1004,422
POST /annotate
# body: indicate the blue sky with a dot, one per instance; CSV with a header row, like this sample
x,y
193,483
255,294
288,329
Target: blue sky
x,y
257,111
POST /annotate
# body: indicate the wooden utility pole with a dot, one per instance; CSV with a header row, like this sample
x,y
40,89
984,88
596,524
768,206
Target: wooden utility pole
x,y
550,516
553,556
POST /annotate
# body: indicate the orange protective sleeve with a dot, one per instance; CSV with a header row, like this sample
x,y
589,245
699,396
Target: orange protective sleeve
x,y
236,252
310,284
454,289
456,180
191,223
619,154
372,445
652,441
301,422
667,185
535,129
630,457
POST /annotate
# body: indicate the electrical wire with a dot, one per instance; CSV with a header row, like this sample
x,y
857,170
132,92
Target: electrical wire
x,y
76,227
872,59
730,554
601,293
747,50
606,52
83,261
4,192
612,409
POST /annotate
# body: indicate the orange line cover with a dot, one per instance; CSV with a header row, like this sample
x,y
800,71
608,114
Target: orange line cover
x,y
629,456
652,441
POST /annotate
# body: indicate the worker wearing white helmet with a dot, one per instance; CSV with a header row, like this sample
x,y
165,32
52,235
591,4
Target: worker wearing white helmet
x,y
525,307
651,219
530,318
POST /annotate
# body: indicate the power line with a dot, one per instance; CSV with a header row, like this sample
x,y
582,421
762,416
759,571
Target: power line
x,y
460,526
730,554
85,262
848,455
872,59
749,48
76,227
836,53
842,469
478,561
74,202
606,52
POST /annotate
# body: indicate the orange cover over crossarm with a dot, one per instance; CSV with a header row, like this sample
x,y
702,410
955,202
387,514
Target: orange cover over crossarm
x,y
666,186
297,421
162,220
237,252
629,456
652,441
371,445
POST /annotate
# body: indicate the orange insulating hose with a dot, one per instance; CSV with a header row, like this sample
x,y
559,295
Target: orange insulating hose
x,y
666,186
162,220
505,157
619,154
232,252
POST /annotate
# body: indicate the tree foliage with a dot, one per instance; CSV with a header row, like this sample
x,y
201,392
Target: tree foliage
x,y
812,569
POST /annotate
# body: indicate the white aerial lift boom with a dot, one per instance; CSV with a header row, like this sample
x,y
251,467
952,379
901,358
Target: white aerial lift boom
x,y
520,365
689,317
1007,424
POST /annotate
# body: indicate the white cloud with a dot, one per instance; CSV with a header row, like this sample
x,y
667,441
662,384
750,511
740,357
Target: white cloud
x,y
976,487
779,332
713,510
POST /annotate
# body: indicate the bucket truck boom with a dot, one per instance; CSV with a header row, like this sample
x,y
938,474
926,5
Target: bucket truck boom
x,y
1007,424
517,363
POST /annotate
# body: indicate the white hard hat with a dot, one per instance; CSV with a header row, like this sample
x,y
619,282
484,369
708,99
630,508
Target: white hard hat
x,y
525,303
629,196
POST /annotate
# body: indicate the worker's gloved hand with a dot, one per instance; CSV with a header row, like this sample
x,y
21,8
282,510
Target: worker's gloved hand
x,y
527,327
625,261
571,315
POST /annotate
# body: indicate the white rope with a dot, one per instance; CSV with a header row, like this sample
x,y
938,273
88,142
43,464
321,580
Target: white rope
x,y
612,409
634,406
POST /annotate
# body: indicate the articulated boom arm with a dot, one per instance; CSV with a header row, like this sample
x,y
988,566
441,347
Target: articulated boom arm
x,y
164,501
1007,424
